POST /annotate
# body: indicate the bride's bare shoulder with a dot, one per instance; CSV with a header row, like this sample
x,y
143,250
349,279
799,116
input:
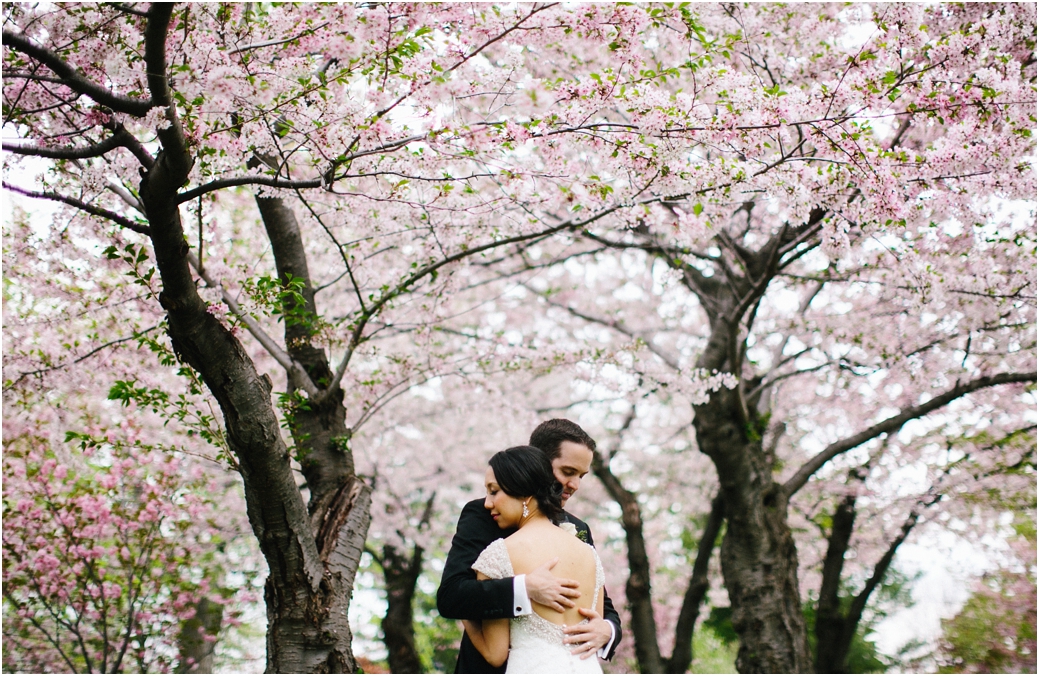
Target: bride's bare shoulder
x,y
529,548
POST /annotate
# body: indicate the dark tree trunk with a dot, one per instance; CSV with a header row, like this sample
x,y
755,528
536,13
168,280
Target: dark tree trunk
x,y
758,555
338,518
318,427
398,626
832,631
196,653
312,557
682,657
637,590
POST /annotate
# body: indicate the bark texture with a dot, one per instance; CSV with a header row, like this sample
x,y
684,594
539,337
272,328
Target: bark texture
x,y
758,555
318,427
307,629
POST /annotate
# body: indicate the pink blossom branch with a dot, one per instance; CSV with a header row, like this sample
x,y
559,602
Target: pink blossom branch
x,y
620,328
71,537
858,603
83,206
34,78
282,41
74,80
800,478
303,184
362,322
126,9
146,554
339,248
268,181
52,640
791,374
88,355
120,139
70,153
281,356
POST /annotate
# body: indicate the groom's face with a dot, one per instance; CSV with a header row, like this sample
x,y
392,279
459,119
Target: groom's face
x,y
571,466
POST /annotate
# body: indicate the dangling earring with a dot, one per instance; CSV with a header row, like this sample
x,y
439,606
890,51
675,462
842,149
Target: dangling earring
x,y
526,512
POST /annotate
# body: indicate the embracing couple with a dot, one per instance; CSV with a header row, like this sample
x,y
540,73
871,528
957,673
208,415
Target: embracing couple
x,y
522,574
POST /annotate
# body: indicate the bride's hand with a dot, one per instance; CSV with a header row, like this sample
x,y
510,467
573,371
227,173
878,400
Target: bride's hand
x,y
588,636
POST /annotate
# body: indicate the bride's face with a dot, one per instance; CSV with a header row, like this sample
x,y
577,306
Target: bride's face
x,y
506,510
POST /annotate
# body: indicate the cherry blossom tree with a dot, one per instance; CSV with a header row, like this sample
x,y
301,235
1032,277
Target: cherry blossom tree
x,y
123,499
818,191
860,258
80,594
126,136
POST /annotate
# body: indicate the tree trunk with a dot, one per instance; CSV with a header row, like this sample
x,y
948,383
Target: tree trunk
x,y
832,633
398,626
758,555
196,652
312,562
682,657
637,590
318,427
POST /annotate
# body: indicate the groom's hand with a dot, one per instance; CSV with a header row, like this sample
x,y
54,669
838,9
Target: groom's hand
x,y
555,592
589,637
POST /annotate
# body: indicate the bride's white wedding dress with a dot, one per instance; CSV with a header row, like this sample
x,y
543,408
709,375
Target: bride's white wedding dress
x,y
535,644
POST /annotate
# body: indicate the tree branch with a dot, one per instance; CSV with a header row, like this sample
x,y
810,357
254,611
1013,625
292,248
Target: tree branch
x,y
120,138
800,478
83,206
281,356
378,304
281,41
69,153
620,328
75,81
247,180
127,9
97,349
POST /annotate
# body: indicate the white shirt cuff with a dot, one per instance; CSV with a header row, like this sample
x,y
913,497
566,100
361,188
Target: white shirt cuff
x,y
520,600
605,650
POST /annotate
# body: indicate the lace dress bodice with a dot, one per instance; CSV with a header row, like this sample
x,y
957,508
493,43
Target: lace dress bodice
x,y
536,644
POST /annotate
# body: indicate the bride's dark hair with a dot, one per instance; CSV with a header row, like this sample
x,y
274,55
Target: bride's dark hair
x,y
525,471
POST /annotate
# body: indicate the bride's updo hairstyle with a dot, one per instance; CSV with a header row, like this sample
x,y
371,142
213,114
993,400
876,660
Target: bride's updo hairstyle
x,y
525,471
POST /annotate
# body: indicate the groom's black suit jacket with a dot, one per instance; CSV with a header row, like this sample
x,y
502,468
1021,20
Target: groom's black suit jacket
x,y
462,597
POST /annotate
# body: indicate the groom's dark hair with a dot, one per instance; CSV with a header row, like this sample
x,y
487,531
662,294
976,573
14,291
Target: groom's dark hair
x,y
550,435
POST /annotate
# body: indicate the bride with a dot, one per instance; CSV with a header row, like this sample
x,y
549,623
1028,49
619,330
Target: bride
x,y
523,493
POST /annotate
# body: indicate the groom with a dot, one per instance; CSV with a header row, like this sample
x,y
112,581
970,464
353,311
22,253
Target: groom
x,y
462,597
